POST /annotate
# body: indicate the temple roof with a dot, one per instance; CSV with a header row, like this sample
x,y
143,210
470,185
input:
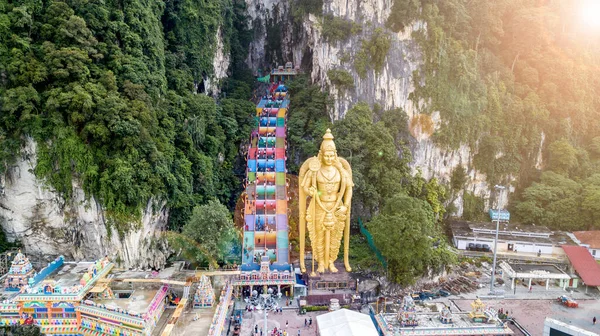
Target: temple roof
x,y
20,264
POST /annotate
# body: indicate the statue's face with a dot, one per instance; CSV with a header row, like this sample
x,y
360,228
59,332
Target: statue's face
x,y
328,157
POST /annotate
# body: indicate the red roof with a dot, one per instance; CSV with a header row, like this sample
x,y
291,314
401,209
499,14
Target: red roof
x,y
591,238
585,265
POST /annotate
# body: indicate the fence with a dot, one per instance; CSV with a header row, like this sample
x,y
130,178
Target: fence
x,y
371,243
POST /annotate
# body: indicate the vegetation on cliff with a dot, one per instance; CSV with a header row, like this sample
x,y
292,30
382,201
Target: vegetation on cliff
x,y
110,92
512,78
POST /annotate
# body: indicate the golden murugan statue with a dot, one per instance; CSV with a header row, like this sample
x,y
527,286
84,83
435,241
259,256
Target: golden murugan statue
x,y
327,179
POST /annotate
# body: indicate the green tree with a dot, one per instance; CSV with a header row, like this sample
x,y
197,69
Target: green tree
x,y
370,147
591,201
555,202
404,232
207,235
562,156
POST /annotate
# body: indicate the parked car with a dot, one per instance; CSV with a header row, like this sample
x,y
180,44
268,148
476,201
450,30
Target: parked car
x,y
471,247
478,247
486,248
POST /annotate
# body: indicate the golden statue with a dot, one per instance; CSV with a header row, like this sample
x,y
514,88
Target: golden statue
x,y
327,179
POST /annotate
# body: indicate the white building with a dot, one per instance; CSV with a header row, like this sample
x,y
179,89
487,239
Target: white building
x,y
515,238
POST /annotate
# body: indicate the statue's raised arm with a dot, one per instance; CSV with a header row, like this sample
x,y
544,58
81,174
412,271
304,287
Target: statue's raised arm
x,y
327,180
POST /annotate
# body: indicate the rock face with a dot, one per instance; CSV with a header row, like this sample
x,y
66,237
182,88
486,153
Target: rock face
x,y
304,44
47,225
221,62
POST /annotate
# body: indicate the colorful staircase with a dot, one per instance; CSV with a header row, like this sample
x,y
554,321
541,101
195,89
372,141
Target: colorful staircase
x,y
265,212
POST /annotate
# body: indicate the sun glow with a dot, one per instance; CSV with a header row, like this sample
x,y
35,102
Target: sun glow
x,y
590,13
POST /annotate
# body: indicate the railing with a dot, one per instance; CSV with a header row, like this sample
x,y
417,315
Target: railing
x,y
156,301
519,326
218,322
371,243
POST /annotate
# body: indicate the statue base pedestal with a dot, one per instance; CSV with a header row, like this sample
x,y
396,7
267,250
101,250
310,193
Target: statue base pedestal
x,y
326,286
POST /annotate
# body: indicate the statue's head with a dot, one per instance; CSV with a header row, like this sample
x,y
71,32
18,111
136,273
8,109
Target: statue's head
x,y
327,152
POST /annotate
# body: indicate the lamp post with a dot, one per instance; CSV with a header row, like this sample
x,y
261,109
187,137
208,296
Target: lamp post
x,y
498,189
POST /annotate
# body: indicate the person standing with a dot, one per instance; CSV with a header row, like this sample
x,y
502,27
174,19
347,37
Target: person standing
x,y
305,322
594,320
310,322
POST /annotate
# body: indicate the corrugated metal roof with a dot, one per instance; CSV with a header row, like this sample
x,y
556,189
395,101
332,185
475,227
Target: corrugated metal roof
x,y
585,265
591,238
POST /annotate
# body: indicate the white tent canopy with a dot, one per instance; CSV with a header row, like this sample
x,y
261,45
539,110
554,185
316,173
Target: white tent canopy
x,y
345,322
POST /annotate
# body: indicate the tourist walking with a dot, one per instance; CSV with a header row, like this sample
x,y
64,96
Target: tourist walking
x,y
594,320
310,321
286,324
305,323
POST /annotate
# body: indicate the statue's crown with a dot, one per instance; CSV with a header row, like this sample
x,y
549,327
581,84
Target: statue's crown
x,y
328,143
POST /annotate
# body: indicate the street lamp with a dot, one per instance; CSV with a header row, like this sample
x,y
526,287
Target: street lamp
x,y
498,189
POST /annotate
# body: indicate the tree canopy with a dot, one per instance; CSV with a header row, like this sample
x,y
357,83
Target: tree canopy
x,y
405,233
208,234
108,91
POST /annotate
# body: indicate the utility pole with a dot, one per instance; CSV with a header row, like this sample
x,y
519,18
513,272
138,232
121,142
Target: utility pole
x,y
498,189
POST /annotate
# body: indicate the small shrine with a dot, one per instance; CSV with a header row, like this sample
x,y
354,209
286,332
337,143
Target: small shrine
x,y
407,314
19,274
478,312
205,294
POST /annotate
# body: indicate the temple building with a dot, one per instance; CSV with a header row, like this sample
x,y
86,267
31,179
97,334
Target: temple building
x,y
19,273
78,299
205,294
51,296
124,311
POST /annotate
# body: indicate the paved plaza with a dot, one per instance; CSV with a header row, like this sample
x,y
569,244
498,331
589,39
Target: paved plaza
x,y
291,316
532,313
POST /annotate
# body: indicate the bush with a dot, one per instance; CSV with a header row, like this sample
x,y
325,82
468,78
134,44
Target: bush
x,y
316,308
342,79
372,51
338,29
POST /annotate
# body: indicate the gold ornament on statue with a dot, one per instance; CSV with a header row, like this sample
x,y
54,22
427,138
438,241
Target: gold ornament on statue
x,y
327,180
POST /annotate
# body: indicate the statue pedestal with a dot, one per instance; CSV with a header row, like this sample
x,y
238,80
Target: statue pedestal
x,y
326,286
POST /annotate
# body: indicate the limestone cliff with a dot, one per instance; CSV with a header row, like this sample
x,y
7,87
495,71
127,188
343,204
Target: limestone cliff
x,y
221,61
48,225
304,44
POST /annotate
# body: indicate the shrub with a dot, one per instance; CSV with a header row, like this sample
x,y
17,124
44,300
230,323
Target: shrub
x,y
342,79
338,29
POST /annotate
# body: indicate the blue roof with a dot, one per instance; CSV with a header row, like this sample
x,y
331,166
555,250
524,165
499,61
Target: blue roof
x,y
280,267
250,267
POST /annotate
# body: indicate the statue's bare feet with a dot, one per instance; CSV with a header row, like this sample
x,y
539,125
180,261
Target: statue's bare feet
x,y
332,268
321,269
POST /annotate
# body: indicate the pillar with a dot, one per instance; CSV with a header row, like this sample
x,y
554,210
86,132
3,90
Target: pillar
x,y
292,291
565,283
49,307
251,290
547,283
512,284
529,284
278,288
78,315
